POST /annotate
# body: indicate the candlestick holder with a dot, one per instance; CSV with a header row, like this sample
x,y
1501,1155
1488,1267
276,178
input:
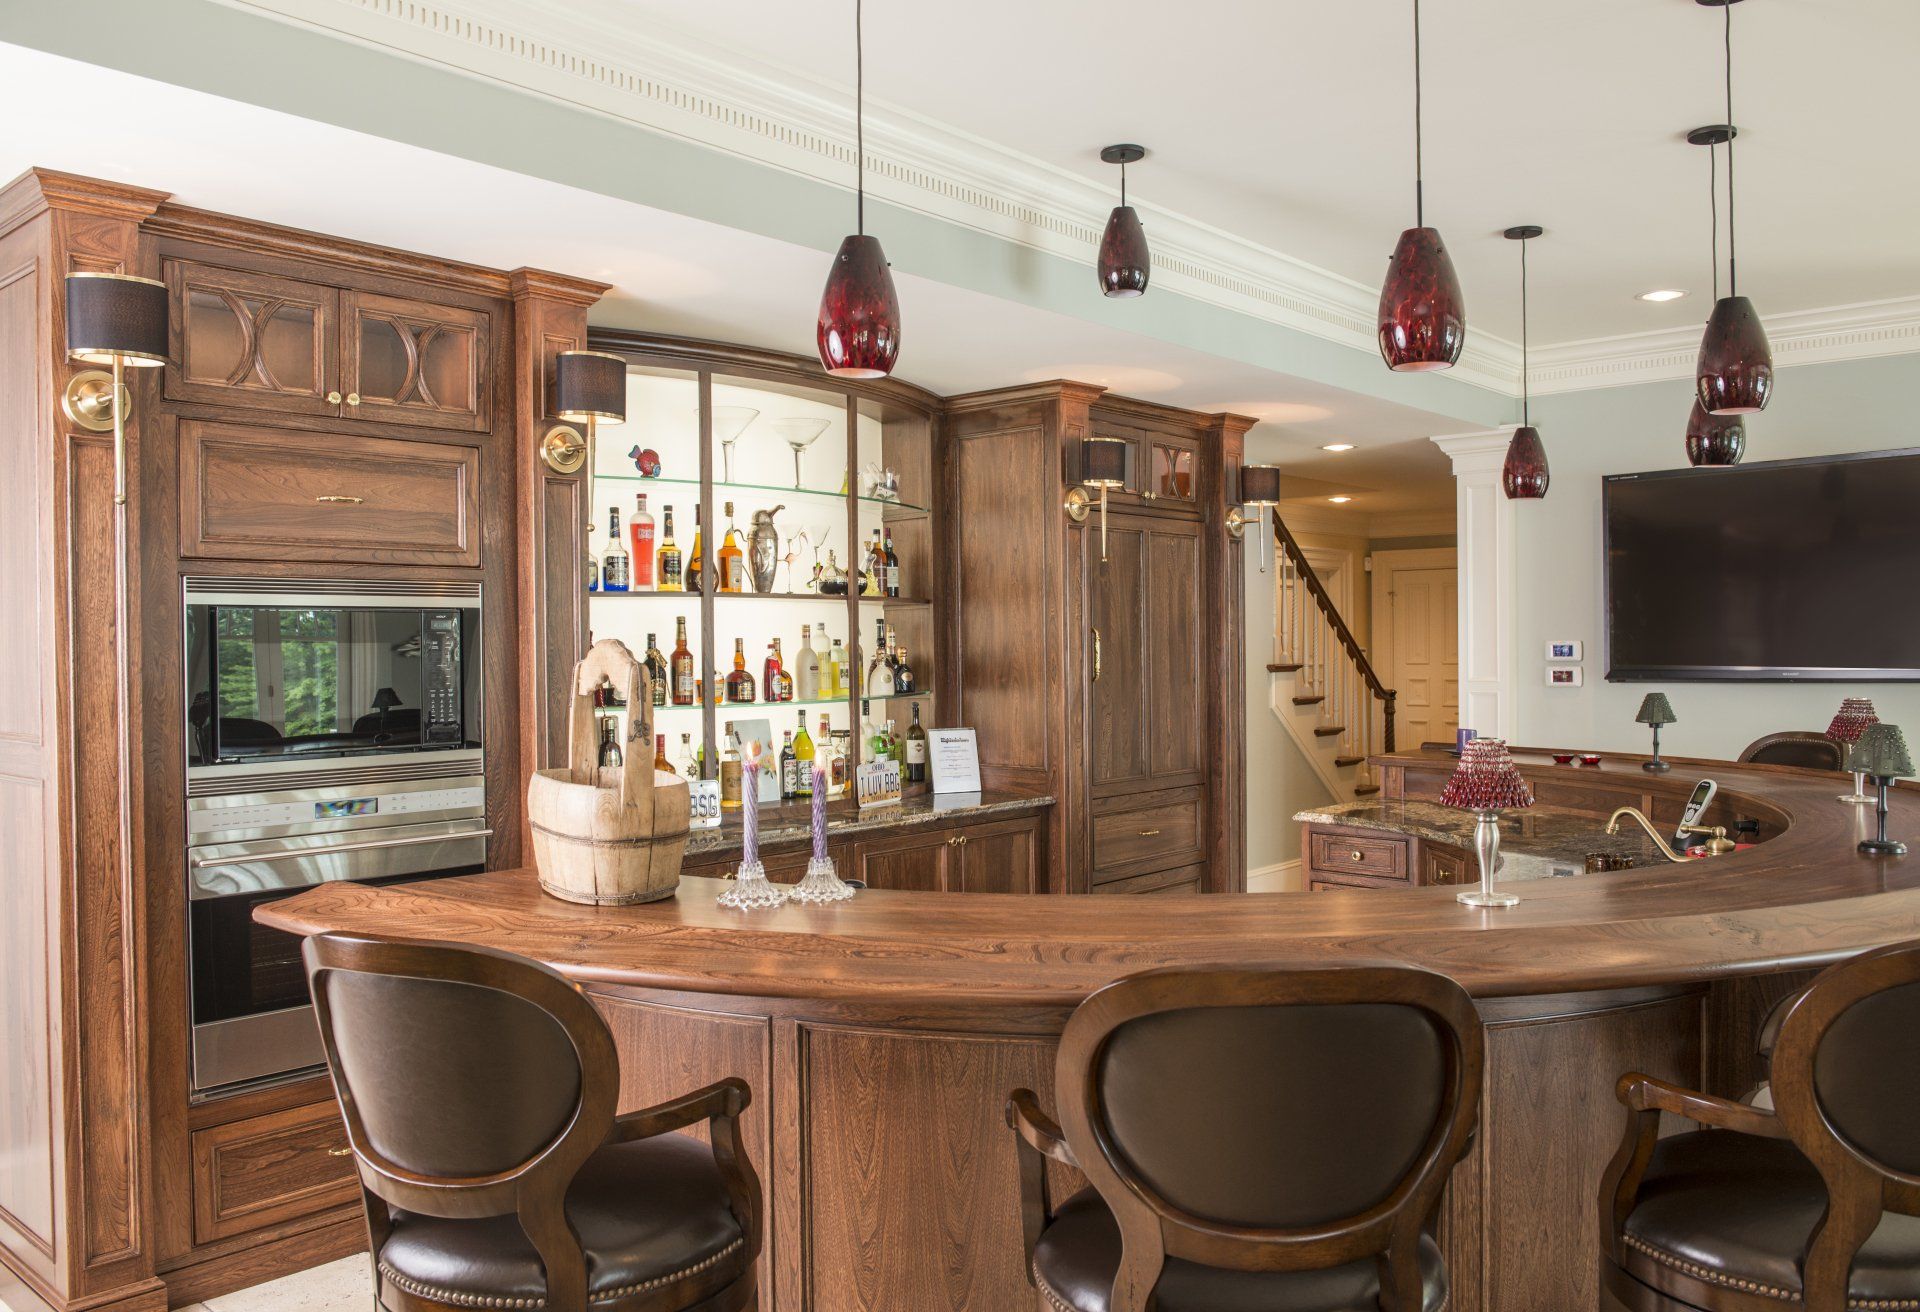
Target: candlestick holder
x,y
752,890
1486,846
822,883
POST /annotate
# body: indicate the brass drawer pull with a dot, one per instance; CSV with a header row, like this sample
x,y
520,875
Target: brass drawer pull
x,y
1358,855
340,501
1148,833
339,1152
1096,656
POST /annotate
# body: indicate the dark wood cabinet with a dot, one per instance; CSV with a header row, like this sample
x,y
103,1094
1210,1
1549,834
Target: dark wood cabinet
x,y
1003,857
987,856
1336,856
255,1173
408,361
916,863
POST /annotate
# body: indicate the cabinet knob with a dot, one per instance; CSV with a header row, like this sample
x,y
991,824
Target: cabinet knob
x,y
340,501
1357,855
333,398
353,398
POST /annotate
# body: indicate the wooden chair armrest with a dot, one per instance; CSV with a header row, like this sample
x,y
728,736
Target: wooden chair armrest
x,y
1036,1140
726,1098
1643,1093
1036,1129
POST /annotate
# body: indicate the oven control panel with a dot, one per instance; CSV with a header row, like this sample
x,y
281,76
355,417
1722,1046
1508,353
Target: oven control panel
x,y
246,813
440,651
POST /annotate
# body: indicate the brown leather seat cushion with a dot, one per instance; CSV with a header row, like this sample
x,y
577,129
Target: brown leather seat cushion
x,y
645,1212
1079,1253
1736,1211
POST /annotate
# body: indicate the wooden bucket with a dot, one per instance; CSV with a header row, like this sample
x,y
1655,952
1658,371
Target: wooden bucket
x,y
614,836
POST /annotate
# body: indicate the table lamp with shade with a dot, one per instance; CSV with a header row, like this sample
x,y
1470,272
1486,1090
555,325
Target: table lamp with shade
x,y
1853,718
1486,783
1655,710
1881,755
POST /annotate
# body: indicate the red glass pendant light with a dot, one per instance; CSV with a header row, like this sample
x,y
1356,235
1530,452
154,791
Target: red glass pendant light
x,y
859,330
1124,264
1734,375
1423,318
1524,475
1715,439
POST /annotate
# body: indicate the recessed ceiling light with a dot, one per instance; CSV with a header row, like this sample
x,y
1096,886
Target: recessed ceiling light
x,y
1338,446
1339,501
1662,294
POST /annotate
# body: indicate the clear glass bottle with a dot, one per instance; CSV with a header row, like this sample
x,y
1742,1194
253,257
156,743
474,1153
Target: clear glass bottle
x,y
688,765
614,572
740,682
641,531
733,560
668,576
916,750
682,666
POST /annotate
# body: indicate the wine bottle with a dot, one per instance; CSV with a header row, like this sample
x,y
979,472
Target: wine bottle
x,y
657,672
733,561
668,574
803,758
893,567
641,530
739,683
682,661
614,565
789,769
916,749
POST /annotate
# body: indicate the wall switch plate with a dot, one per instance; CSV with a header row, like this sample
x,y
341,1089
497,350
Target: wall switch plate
x,y
1564,676
1563,649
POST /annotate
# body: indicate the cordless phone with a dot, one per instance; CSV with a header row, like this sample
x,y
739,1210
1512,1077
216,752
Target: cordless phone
x,y
1696,807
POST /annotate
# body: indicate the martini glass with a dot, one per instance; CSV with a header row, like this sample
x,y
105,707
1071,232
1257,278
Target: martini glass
x,y
817,534
729,421
799,434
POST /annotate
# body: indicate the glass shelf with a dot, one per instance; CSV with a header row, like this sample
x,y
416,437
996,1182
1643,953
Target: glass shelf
x,y
774,706
904,509
694,597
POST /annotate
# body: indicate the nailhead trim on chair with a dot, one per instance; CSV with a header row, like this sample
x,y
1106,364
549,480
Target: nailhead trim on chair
x,y
1713,1277
1061,1305
458,1299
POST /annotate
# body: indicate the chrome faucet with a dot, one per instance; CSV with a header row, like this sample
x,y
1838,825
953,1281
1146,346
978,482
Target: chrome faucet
x,y
1659,843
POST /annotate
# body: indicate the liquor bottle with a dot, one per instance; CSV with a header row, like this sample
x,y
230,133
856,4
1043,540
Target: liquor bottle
x,y
904,683
593,564
668,574
873,739
730,772
880,667
682,661
657,671
897,749
806,667
836,671
688,764
641,530
893,567
916,749
609,744
842,761
660,761
803,759
789,770
733,561
740,683
775,681
694,561
614,565
873,584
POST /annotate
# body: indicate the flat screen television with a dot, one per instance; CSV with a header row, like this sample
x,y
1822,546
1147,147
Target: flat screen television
x,y
1784,569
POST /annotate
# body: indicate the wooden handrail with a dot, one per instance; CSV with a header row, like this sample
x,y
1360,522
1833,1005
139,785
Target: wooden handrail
x,y
1318,591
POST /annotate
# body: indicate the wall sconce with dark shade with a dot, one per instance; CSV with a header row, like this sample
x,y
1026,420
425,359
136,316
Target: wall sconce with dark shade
x,y
1655,710
589,387
1881,755
1259,488
119,320
1103,465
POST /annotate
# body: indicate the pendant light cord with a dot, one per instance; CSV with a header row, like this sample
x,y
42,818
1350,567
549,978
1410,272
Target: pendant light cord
x,y
859,124
1526,397
1713,212
1419,185
1733,276
1123,184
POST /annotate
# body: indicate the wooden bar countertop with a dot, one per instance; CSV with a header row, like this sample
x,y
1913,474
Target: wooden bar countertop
x,y
1802,898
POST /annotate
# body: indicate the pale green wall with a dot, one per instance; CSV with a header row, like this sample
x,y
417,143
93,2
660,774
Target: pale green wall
x,y
1821,409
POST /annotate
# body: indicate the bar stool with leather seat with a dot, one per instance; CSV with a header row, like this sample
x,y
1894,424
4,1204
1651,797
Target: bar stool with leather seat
x,y
1797,747
1815,1204
1255,1139
479,1090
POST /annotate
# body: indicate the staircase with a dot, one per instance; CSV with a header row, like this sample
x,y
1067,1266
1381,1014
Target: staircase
x,y
1322,687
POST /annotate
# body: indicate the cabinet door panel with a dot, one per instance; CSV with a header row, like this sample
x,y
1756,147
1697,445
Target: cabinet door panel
x,y
916,864
244,338
1116,657
1175,729
413,362
271,1169
1000,858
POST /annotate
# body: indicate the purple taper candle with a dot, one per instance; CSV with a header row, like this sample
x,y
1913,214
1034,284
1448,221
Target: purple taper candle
x,y
819,814
750,800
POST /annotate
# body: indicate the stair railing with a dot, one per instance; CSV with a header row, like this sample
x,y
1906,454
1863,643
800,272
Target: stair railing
x,y
1312,635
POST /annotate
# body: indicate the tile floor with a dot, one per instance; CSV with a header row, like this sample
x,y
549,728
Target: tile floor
x,y
343,1286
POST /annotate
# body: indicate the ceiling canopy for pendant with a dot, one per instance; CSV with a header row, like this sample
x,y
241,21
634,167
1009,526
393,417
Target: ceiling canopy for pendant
x,y
1124,263
1524,475
1423,318
1734,375
859,329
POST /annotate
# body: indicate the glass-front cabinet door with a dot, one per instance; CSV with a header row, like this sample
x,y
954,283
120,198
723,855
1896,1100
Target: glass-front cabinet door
x,y
784,528
250,338
414,362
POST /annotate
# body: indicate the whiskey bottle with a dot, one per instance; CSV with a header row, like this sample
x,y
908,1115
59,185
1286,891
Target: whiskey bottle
x,y
660,761
904,683
609,744
807,667
682,664
774,679
641,530
733,561
657,673
789,770
613,565
740,683
694,561
730,773
803,759
893,567
668,573
916,750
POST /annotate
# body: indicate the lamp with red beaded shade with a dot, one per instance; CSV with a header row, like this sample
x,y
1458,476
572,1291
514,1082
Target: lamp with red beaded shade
x,y
1486,782
1848,723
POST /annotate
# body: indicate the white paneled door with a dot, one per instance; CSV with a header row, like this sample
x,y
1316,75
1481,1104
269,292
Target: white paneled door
x,y
1416,609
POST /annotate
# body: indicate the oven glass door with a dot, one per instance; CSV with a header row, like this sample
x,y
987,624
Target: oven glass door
x,y
291,682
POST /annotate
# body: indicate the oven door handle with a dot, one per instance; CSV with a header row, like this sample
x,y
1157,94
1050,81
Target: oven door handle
x,y
296,853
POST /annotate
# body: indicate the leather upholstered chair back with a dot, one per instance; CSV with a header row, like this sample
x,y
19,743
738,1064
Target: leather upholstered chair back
x,y
467,1077
1797,747
1275,1119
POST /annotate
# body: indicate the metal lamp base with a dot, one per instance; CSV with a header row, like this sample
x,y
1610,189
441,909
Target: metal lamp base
x,y
1883,847
1486,846
1475,898
1655,767
1859,796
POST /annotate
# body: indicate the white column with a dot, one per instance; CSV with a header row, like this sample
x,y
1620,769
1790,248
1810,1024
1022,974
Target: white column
x,y
1484,522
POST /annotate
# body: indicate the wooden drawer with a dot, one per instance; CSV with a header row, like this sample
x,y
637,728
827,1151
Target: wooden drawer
x,y
1352,854
1349,885
257,493
1181,879
1440,866
1161,833
270,1169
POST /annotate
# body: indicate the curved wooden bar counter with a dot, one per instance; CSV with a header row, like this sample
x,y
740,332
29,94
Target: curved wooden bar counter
x,y
882,1035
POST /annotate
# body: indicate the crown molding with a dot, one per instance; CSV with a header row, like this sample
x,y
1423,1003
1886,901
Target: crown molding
x,y
591,53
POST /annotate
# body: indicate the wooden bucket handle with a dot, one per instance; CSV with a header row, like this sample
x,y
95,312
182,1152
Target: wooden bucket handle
x,y
610,660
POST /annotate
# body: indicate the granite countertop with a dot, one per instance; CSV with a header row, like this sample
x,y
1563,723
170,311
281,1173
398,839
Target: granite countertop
x,y
788,824
1541,842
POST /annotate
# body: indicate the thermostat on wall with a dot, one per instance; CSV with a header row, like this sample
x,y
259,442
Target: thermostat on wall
x,y
1564,650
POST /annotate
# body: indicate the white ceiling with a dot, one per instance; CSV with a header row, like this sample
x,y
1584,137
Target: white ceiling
x,y
1288,124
